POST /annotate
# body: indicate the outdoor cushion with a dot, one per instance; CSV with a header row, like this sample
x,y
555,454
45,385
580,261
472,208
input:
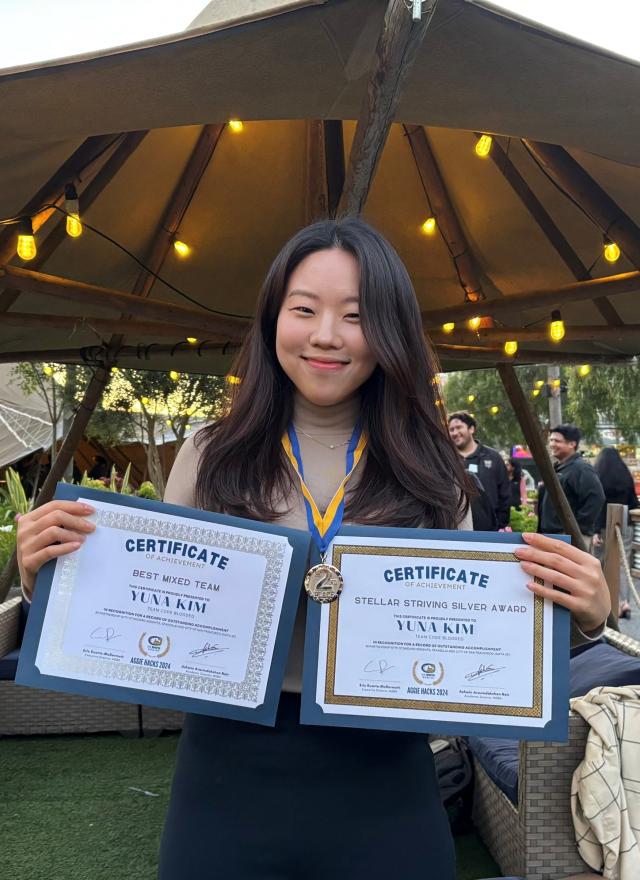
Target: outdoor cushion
x,y
8,665
499,758
602,665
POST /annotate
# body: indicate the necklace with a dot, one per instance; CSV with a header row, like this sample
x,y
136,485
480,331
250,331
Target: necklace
x,y
315,439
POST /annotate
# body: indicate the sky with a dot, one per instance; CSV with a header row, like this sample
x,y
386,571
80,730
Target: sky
x,y
611,24
40,30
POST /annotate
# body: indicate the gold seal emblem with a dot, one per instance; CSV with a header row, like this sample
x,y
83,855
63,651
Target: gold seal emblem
x,y
323,582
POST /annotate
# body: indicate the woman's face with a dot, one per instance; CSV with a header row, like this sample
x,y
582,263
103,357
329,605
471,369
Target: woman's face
x,y
319,340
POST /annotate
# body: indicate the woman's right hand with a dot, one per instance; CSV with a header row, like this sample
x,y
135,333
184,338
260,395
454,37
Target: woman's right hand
x,y
55,529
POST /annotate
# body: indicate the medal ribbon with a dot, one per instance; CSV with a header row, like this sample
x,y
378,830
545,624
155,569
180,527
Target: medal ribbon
x,y
324,528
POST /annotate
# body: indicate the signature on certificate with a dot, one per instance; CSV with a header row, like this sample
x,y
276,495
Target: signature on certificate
x,y
483,672
105,633
378,666
206,649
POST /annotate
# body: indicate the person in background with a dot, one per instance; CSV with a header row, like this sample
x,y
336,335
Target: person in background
x,y
485,463
517,484
579,482
100,468
619,488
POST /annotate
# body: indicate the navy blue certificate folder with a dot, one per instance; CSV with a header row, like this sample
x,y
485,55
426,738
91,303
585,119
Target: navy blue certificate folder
x,y
265,713
312,712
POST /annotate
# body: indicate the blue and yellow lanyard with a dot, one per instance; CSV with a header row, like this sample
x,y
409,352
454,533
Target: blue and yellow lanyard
x,y
324,528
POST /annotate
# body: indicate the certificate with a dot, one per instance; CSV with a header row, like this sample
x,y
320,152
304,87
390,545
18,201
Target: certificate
x,y
168,606
436,631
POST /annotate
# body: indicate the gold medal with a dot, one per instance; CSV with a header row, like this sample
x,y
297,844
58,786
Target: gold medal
x,y
323,582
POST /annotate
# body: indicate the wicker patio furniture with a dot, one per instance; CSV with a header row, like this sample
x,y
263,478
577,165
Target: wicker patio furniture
x,y
25,710
535,839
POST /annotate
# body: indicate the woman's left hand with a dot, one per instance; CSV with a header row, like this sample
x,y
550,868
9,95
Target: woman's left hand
x,y
583,589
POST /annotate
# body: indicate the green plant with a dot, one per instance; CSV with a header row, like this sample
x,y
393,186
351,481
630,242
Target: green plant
x,y
523,520
16,496
7,544
147,490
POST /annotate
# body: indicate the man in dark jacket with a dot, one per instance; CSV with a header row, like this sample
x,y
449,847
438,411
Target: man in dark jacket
x,y
579,482
485,463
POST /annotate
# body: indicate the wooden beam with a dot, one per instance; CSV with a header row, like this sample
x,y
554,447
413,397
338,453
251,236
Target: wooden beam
x,y
627,282
103,327
109,167
445,213
395,53
493,356
596,333
334,162
177,207
91,294
609,216
533,435
316,205
549,228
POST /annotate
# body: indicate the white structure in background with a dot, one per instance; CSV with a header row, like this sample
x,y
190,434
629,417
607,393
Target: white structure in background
x,y
24,421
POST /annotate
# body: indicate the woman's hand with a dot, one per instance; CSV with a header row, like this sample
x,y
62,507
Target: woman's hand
x,y
583,589
55,529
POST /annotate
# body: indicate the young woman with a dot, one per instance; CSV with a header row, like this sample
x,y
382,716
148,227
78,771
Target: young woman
x,y
337,340
619,488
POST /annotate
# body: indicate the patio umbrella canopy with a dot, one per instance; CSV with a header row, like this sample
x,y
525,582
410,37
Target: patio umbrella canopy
x,y
142,132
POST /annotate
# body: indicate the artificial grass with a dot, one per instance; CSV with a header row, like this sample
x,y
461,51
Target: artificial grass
x,y
71,810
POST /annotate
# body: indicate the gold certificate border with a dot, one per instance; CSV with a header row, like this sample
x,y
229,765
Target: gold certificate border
x,y
330,697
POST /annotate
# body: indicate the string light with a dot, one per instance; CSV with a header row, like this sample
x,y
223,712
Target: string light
x,y
611,251
535,392
510,347
539,383
181,248
474,323
145,401
429,226
233,380
173,374
72,207
471,398
192,340
556,327
26,241
556,383
483,146
48,371
236,125
584,370
449,327
168,422
494,410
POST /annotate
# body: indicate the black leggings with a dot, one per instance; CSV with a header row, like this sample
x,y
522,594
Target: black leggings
x,y
314,803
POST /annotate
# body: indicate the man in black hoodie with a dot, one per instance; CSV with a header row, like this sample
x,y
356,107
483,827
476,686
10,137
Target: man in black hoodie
x,y
579,482
488,468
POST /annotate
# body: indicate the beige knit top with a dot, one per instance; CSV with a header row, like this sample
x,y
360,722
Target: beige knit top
x,y
323,473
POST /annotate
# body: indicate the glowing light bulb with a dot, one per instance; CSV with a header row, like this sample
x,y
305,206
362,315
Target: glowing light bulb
x,y
449,327
48,371
584,370
168,422
187,427
539,383
192,340
494,410
236,125
483,146
535,392
233,380
181,248
556,327
72,207
429,226
173,374
474,323
556,383
115,370
611,251
471,398
26,242
145,401
510,347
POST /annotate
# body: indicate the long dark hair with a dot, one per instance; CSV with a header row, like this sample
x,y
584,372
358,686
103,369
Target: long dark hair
x,y
614,475
412,473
